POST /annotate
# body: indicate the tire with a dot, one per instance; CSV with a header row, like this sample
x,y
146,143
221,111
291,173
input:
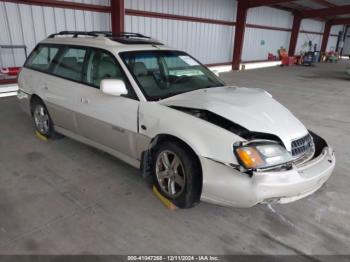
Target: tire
x,y
177,174
42,120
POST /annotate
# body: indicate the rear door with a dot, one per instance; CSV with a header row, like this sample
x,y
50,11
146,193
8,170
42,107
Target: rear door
x,y
108,120
64,84
34,76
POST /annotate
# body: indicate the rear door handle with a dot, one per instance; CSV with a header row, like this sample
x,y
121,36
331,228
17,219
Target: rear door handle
x,y
85,100
44,86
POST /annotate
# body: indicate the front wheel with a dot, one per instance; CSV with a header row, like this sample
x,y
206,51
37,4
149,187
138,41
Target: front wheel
x,y
176,174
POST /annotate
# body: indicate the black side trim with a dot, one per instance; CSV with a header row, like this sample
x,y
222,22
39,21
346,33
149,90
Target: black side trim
x,y
319,142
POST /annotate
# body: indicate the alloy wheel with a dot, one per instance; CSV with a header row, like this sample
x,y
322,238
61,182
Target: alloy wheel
x,y
41,119
170,173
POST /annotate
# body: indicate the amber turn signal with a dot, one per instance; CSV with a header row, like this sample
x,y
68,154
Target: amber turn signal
x,y
250,157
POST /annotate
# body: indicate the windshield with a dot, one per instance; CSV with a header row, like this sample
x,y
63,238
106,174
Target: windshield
x,y
161,74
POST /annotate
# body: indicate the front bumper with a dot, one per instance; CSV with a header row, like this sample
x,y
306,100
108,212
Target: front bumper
x,y
224,185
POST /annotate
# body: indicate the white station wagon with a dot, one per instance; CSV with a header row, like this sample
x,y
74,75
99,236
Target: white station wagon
x,y
160,110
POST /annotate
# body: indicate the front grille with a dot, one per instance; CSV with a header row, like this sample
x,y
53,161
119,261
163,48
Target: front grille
x,y
302,145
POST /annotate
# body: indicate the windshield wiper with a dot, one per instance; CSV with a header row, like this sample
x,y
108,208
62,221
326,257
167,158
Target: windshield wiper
x,y
211,86
182,92
156,98
169,95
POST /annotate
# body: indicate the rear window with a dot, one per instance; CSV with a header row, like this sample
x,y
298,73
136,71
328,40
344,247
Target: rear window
x,y
41,58
70,64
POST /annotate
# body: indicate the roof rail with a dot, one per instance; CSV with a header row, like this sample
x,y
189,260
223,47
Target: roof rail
x,y
122,34
124,37
74,33
128,35
99,33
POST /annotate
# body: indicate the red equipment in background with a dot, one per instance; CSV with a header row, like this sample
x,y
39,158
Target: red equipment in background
x,y
8,75
286,60
271,57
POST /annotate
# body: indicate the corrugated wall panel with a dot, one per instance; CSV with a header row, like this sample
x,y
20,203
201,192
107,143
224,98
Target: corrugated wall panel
x,y
346,49
25,24
336,28
96,2
212,9
15,29
209,43
332,40
332,43
259,42
269,17
304,39
312,25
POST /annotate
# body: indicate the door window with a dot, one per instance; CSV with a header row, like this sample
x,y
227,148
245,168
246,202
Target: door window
x,y
41,58
102,65
70,63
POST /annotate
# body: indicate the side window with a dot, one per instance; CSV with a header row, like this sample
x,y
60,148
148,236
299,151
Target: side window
x,y
41,58
70,63
103,65
147,70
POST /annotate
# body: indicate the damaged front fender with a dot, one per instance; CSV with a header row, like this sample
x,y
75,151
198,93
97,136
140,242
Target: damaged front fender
x,y
204,138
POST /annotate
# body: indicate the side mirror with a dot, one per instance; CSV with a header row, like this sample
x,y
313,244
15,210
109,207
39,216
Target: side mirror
x,y
113,87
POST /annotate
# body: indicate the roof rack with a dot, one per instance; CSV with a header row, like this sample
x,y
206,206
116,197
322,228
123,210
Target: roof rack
x,y
74,33
129,35
122,34
124,37
99,33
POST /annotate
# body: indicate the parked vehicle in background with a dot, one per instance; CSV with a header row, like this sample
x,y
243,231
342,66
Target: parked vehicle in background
x,y
160,110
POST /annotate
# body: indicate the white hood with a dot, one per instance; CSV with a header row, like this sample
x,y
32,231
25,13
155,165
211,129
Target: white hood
x,y
251,108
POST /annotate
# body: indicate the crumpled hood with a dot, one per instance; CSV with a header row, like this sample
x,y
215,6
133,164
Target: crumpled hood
x,y
251,108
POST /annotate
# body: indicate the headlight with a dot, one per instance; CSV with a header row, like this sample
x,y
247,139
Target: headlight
x,y
262,155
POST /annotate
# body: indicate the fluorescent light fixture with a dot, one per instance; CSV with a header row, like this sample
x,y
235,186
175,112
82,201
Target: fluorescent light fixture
x,y
249,66
8,90
221,69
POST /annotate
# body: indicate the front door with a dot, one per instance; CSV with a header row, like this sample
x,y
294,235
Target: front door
x,y
108,120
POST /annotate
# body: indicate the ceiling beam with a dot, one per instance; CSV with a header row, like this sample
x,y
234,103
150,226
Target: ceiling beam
x,y
294,35
284,8
239,34
324,3
340,21
325,38
324,12
63,4
257,3
117,16
296,8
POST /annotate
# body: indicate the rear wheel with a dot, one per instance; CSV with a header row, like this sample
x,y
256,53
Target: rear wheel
x,y
176,174
42,120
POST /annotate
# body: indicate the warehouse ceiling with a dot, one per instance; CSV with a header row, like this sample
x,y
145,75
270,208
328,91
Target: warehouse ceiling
x,y
303,5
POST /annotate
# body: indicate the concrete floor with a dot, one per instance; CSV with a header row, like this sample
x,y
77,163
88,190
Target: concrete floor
x,y
62,197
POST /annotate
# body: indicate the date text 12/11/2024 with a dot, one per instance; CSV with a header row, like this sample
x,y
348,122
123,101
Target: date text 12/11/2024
x,y
173,258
